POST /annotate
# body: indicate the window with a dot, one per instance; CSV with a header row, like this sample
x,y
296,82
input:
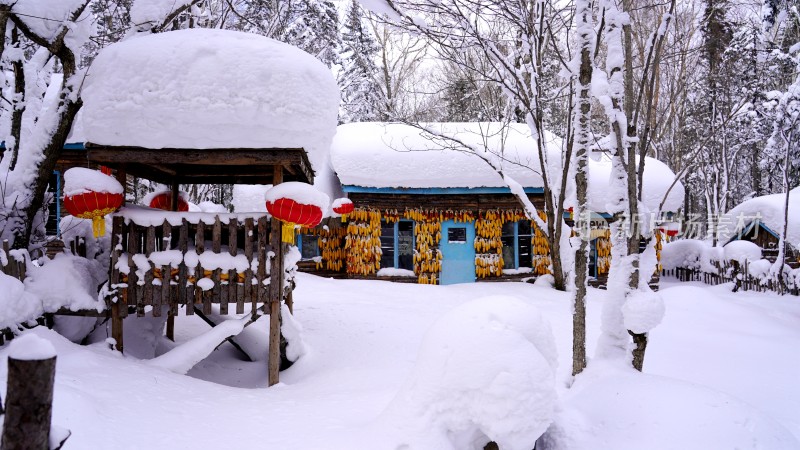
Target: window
x,y
517,249
309,246
397,244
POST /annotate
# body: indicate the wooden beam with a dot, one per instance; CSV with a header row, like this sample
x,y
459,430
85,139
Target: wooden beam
x,y
275,293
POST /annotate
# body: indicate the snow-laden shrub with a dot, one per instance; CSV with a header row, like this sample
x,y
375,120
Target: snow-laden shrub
x,y
643,310
741,251
67,282
485,371
690,254
684,253
16,305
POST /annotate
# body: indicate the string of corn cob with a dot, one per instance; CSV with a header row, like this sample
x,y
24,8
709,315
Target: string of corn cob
x,y
363,242
541,249
488,245
427,256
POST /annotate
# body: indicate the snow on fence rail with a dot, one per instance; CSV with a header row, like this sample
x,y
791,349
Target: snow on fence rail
x,y
12,262
740,275
170,265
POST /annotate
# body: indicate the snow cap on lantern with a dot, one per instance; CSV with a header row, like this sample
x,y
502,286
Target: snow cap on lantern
x,y
342,207
296,203
163,199
91,194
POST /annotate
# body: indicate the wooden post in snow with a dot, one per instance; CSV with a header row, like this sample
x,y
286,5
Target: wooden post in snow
x,y
173,206
275,291
29,403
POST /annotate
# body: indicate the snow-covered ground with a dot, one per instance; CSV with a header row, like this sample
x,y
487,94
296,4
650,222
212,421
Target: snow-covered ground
x,y
720,372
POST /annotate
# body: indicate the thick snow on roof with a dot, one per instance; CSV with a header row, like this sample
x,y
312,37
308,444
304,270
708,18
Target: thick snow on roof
x,y
201,88
657,181
768,209
376,154
402,156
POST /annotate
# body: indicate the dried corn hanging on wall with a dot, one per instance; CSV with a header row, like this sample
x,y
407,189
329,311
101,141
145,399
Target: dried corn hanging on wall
x,y
603,247
488,245
331,244
659,246
427,234
541,249
363,242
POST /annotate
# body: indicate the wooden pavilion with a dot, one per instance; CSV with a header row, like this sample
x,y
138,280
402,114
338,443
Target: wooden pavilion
x,y
190,119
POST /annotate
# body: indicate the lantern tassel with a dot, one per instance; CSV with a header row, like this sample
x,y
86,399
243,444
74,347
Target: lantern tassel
x,y
344,218
98,226
287,233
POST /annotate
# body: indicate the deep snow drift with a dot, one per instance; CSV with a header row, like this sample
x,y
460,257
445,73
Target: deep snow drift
x,y
718,373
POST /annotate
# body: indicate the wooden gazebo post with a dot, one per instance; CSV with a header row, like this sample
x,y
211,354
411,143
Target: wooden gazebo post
x,y
275,290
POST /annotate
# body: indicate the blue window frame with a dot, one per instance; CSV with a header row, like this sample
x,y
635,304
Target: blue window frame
x,y
397,244
517,249
308,244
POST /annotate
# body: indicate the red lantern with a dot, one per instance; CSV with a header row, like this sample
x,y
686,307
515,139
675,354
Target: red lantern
x,y
295,203
343,207
90,194
163,200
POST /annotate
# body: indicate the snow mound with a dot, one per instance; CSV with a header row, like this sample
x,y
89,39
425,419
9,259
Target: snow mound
x,y
293,332
643,310
79,180
31,347
205,88
742,251
485,371
625,410
16,305
67,282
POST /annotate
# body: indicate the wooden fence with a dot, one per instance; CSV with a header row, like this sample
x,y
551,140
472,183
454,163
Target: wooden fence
x,y
191,264
732,272
10,265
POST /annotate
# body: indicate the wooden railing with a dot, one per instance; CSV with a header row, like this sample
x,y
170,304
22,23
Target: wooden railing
x,y
192,264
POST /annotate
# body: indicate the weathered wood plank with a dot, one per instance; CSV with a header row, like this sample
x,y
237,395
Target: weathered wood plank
x,y
233,278
133,249
199,273
247,291
183,271
275,294
149,248
261,290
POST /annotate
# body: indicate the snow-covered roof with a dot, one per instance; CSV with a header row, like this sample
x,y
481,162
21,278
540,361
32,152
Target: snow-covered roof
x,y
381,155
768,210
658,179
374,154
203,89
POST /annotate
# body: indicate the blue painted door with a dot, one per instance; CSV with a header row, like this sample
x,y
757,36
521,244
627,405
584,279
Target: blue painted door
x,y
458,252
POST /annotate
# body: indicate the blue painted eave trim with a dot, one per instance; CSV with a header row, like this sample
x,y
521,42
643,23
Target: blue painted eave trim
x,y
67,146
435,191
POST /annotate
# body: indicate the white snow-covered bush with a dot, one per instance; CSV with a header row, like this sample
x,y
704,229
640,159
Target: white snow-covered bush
x,y
643,310
67,282
741,251
16,305
690,254
485,371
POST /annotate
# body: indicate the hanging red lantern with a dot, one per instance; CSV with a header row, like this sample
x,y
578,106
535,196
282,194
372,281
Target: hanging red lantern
x,y
343,207
296,203
162,200
90,194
